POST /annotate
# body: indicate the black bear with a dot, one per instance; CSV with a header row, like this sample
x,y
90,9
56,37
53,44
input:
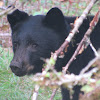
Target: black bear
x,y
37,36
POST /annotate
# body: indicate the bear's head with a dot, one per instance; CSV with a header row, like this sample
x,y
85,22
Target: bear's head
x,y
34,38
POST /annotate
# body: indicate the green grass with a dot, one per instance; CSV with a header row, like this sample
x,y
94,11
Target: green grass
x,y
18,88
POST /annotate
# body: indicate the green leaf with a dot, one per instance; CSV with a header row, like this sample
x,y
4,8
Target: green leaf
x,y
45,10
52,61
98,82
47,75
59,73
87,88
37,13
34,0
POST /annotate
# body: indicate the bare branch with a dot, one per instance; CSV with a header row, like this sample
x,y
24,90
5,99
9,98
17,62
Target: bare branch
x,y
3,8
68,80
77,24
94,50
89,65
4,35
53,94
7,11
35,94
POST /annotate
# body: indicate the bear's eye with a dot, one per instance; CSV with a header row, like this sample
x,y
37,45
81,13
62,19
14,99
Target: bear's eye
x,y
15,44
34,45
31,43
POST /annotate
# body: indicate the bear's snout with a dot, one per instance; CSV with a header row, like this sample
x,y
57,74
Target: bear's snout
x,y
17,68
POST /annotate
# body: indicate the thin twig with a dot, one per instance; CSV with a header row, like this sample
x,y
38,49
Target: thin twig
x,y
7,11
3,8
53,94
5,35
94,50
89,65
35,94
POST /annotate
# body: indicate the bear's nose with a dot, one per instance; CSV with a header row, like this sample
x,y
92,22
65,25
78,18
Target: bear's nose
x,y
15,66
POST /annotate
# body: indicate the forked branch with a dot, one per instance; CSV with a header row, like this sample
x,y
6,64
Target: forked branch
x,y
85,39
77,24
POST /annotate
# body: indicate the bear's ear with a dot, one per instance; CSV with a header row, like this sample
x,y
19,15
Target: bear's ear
x,y
55,18
16,17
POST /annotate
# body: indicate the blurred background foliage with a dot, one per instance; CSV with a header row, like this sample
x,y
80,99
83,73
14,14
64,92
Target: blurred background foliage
x,y
69,7
15,88
35,7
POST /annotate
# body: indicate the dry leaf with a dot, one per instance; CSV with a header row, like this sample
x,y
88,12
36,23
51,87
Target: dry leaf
x,y
61,55
1,3
75,20
82,49
66,48
4,28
